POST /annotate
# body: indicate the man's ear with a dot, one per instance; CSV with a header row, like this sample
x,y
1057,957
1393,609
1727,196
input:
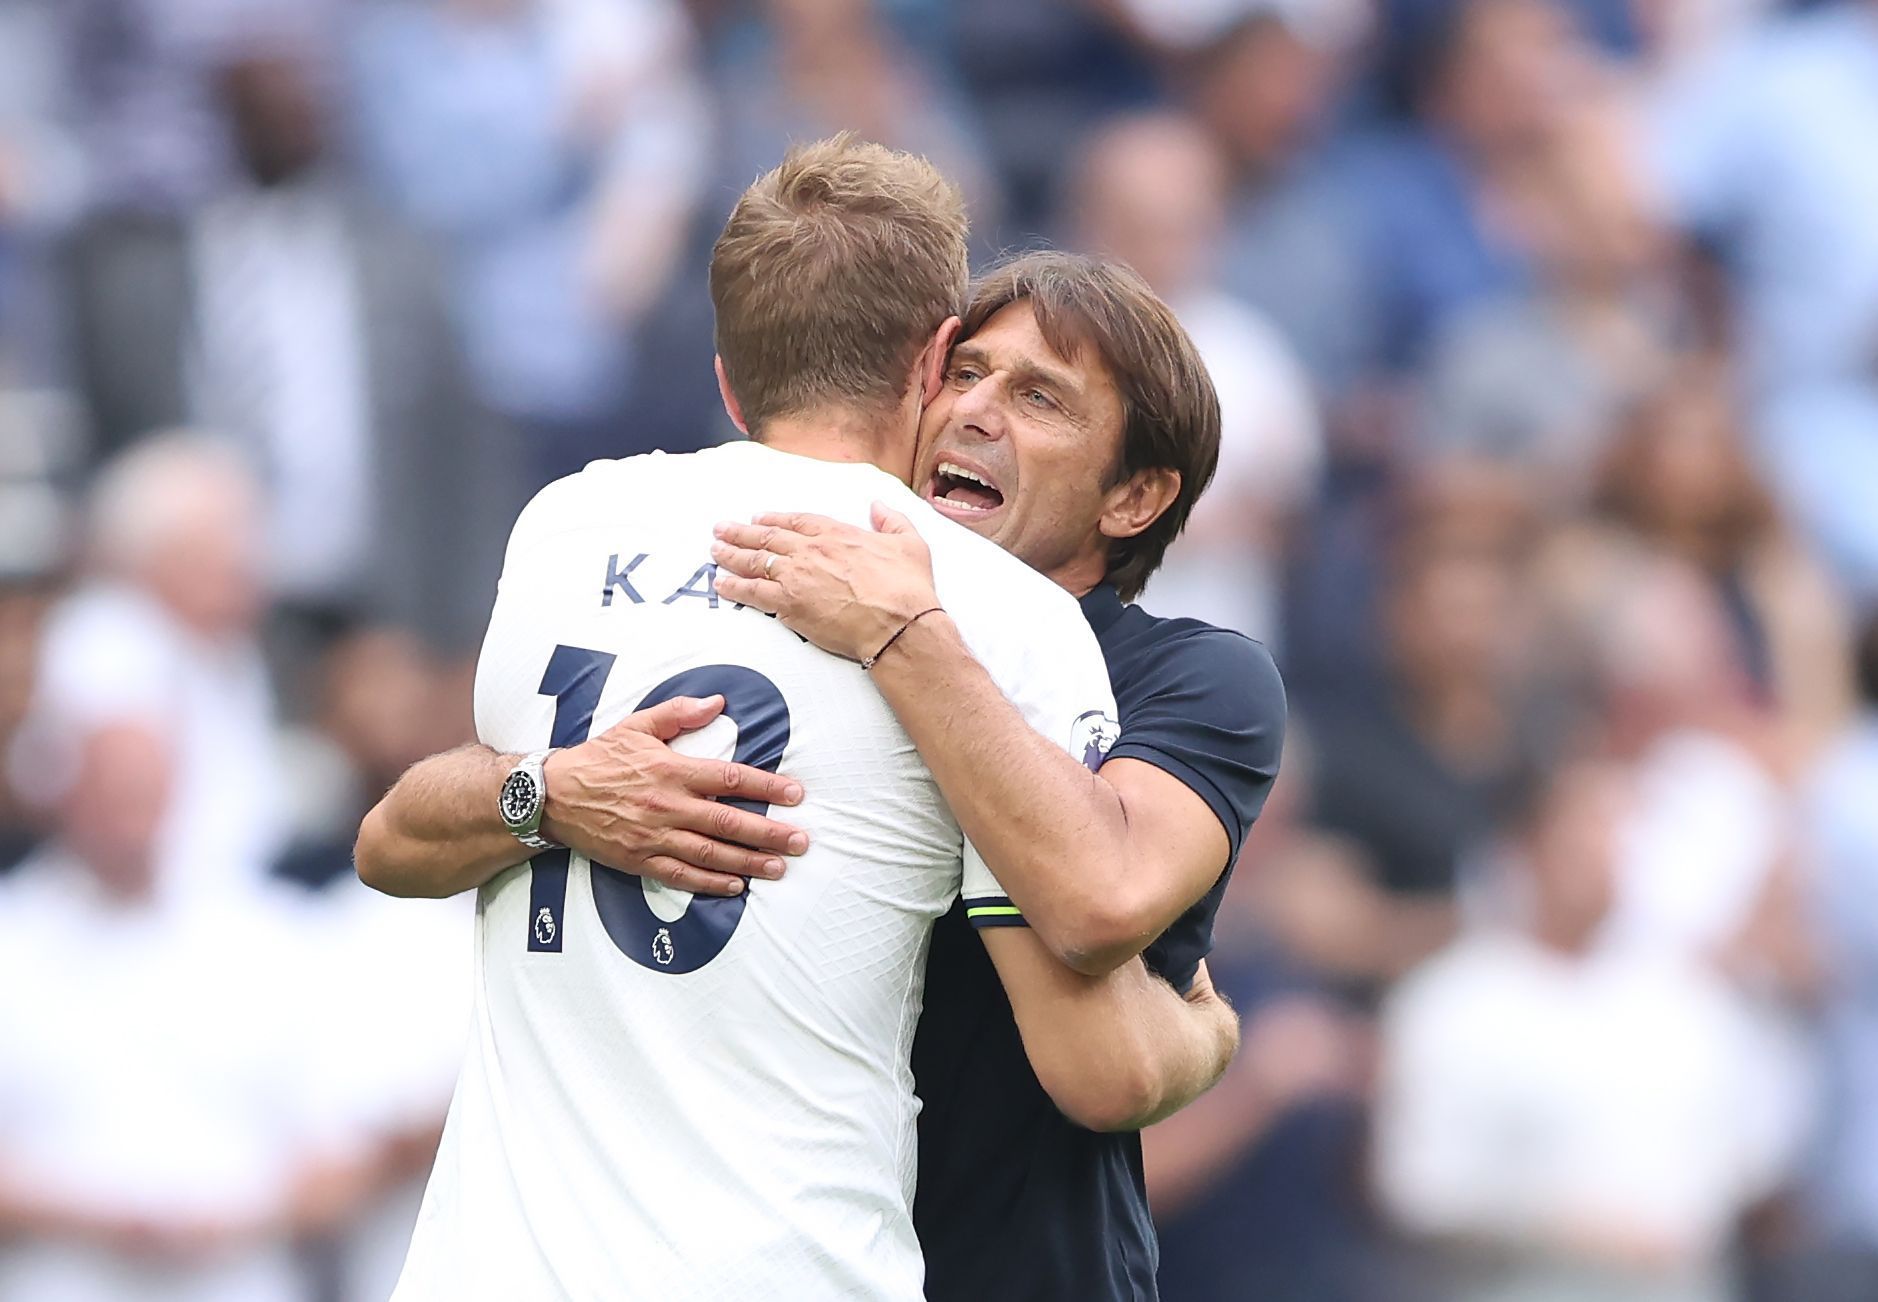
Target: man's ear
x,y
731,406
1138,501
932,362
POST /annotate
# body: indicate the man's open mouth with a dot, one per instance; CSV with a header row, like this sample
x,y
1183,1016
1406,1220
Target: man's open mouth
x,y
963,491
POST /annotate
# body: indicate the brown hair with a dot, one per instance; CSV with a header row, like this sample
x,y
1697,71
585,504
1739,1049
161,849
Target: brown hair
x,y
832,273
1170,413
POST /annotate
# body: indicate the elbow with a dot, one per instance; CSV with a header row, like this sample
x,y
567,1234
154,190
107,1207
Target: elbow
x,y
1121,1099
371,862
1097,933
1114,1085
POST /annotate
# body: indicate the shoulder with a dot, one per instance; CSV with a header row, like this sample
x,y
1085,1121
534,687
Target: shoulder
x,y
1235,673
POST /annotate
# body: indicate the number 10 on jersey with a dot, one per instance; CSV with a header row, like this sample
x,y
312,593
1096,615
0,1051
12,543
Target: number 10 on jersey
x,y
575,678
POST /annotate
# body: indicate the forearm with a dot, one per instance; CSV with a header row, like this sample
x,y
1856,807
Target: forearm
x,y
1115,1052
437,831
1055,834
1193,1045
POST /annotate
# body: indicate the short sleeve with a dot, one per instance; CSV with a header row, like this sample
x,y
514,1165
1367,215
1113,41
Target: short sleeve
x,y
1209,708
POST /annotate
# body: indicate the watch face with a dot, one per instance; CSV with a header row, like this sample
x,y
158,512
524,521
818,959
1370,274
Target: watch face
x,y
519,799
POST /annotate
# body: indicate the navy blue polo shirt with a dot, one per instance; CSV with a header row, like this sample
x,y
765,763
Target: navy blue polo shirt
x,y
1015,1202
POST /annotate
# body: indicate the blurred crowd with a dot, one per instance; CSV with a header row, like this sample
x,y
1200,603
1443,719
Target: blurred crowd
x,y
1546,338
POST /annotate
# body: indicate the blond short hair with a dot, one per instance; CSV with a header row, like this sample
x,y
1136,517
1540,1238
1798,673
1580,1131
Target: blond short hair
x,y
832,273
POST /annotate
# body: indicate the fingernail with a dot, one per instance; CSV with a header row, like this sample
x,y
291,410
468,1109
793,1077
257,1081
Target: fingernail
x,y
719,528
799,843
792,794
736,887
719,549
773,868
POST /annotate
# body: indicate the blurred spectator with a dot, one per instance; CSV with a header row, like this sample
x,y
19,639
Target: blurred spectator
x,y
162,1123
1151,190
1538,377
1677,479
1565,1120
1414,769
557,148
1709,833
163,629
1842,802
298,319
1488,81
1263,89
1705,869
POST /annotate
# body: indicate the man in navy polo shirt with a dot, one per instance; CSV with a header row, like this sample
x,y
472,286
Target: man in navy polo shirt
x,y
1070,432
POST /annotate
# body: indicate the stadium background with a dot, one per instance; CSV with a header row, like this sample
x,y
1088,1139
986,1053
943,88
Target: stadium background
x,y
1546,333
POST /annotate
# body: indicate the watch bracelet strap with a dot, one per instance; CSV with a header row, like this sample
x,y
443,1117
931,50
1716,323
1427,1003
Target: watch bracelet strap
x,y
536,763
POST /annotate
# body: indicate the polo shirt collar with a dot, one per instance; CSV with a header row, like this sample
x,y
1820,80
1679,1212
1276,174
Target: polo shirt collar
x,y
1102,606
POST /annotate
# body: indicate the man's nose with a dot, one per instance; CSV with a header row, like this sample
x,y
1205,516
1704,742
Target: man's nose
x,y
980,410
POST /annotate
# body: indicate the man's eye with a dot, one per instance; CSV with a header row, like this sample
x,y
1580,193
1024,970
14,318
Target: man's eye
x,y
1038,398
965,375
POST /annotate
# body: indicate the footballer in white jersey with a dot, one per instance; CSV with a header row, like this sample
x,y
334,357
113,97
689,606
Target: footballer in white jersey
x,y
675,1098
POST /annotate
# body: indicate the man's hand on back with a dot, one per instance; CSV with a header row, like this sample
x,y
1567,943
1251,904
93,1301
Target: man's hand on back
x,y
845,589
626,799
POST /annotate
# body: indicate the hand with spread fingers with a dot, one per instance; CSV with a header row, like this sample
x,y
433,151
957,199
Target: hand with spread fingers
x,y
846,589
627,800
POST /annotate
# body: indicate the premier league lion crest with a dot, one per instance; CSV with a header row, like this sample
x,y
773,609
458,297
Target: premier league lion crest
x,y
1093,733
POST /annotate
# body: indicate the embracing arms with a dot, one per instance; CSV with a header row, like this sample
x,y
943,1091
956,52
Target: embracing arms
x,y
1099,864
624,798
1115,1052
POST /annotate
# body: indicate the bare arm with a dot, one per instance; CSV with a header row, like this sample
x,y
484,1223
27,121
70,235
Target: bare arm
x,y
1115,1052
624,799
436,832
1099,864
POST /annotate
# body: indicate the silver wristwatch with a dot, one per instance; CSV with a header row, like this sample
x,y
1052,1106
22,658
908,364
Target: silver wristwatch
x,y
523,797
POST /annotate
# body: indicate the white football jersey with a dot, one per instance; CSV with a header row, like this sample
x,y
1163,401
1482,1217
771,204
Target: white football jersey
x,y
670,1098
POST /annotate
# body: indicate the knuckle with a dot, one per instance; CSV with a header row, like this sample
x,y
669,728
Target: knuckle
x,y
723,820
733,777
